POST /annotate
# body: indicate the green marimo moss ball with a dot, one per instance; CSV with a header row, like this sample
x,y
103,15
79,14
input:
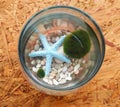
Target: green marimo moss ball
x,y
77,44
41,73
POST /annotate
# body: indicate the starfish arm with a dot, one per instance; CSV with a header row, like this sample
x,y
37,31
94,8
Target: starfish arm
x,y
48,64
61,57
58,43
44,41
38,53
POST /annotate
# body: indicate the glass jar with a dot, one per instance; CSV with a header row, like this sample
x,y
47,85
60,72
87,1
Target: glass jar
x,y
58,21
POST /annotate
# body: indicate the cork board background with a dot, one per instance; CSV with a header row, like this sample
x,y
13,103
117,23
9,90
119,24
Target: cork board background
x,y
102,91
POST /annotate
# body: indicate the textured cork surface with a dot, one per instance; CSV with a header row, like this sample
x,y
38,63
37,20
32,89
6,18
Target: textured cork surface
x,y
102,91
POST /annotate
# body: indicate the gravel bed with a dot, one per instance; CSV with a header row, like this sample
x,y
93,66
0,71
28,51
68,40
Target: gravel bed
x,y
61,72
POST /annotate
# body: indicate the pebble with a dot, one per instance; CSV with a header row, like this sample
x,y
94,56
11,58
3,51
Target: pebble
x,y
64,24
38,66
83,61
43,67
66,64
32,50
57,66
36,47
37,41
73,60
69,78
45,79
59,32
58,61
64,69
62,75
33,62
58,22
55,82
61,65
50,82
48,38
38,61
42,62
51,43
57,76
40,49
59,70
76,67
53,39
53,65
26,51
32,38
34,69
54,71
67,33
80,60
71,69
41,28
76,61
76,72
27,64
62,81
52,75
57,38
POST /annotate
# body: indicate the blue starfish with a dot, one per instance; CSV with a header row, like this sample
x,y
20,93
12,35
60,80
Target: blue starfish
x,y
49,52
